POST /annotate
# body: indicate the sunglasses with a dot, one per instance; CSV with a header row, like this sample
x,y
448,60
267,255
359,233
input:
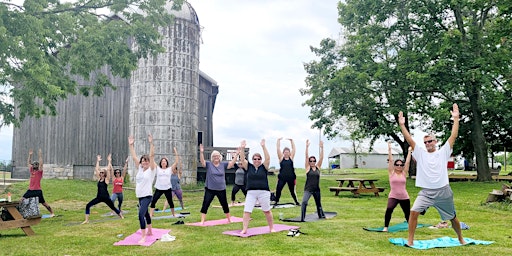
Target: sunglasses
x,y
428,141
254,159
400,165
312,161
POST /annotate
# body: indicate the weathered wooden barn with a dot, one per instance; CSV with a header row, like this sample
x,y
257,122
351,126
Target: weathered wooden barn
x,y
167,96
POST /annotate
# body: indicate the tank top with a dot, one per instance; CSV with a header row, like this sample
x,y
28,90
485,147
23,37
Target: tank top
x,y
397,184
257,178
175,182
102,190
286,171
312,181
118,185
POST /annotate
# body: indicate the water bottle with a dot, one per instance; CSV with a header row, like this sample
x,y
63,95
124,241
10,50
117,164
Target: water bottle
x,y
281,216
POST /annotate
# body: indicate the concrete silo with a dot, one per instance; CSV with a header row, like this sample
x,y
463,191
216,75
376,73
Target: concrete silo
x,y
164,94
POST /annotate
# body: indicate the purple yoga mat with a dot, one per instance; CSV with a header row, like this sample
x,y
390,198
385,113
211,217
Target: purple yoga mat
x,y
259,230
216,222
134,238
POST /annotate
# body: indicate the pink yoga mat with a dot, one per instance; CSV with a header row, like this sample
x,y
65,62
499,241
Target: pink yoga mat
x,y
259,230
134,238
216,222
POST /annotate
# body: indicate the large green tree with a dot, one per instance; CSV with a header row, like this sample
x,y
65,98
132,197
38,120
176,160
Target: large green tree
x,y
46,44
419,57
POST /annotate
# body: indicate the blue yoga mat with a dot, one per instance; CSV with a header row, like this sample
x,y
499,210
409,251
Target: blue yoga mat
x,y
436,243
169,210
395,228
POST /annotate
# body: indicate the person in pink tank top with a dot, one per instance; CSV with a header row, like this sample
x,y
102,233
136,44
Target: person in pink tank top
x,y
118,182
36,174
397,171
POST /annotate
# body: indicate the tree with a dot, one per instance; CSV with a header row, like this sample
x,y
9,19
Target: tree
x,y
419,57
44,44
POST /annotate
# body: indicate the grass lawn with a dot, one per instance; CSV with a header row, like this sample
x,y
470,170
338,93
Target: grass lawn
x,y
342,235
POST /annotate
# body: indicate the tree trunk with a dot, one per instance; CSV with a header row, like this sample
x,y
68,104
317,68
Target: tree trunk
x,y
478,139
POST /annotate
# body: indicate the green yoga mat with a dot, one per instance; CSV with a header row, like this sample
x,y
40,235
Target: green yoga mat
x,y
396,228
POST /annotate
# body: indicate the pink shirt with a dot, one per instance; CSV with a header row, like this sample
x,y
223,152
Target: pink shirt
x,y
397,184
35,179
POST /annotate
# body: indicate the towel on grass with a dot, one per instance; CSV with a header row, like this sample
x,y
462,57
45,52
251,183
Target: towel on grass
x,y
312,217
134,238
259,230
436,243
395,228
215,222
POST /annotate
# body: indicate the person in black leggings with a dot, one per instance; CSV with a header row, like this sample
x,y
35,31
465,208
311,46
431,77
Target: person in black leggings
x,y
102,195
286,174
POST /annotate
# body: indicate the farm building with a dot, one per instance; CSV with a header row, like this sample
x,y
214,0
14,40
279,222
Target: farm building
x,y
377,158
167,96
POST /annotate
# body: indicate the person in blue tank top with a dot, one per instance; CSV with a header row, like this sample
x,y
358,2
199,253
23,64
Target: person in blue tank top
x,y
286,174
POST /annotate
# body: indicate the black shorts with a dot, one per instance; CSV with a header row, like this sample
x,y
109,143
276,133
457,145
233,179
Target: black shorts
x,y
35,193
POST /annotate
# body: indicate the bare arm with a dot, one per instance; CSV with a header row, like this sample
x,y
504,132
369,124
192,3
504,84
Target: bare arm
x,y
279,152
180,170
455,127
390,159
321,157
266,163
306,164
131,141
407,161
405,132
176,159
201,155
234,156
109,168
292,154
97,168
152,163
40,153
29,159
125,168
243,161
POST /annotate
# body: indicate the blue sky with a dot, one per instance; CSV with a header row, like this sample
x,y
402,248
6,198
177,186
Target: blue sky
x,y
255,50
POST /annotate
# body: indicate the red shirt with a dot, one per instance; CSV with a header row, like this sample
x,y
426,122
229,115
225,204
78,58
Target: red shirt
x,y
118,185
35,179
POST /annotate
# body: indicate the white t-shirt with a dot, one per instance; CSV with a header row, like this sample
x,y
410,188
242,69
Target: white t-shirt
x,y
163,178
432,168
144,181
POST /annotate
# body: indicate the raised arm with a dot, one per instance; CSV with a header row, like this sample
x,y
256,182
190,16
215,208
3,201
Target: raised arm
x,y
266,163
201,155
407,162
405,132
176,159
40,153
390,159
109,168
152,163
29,159
241,153
321,157
292,153
97,168
234,156
455,127
180,170
131,141
279,152
306,164
125,168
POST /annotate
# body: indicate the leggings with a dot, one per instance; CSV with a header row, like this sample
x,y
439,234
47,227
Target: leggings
x,y
159,193
235,190
291,187
208,198
179,194
119,197
144,217
305,199
405,204
98,200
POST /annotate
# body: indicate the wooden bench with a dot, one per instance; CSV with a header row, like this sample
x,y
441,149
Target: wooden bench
x,y
338,189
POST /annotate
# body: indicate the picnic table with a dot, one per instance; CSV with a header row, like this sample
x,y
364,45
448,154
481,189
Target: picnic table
x,y
357,186
17,220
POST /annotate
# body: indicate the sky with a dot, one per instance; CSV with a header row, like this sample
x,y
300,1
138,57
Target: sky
x,y
256,50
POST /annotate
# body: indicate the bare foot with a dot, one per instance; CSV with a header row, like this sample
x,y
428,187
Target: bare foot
x,y
52,215
142,240
202,222
243,232
85,222
272,230
121,215
385,229
462,241
229,220
149,233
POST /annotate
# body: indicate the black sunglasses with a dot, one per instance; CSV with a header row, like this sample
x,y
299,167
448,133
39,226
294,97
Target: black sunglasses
x,y
400,165
428,141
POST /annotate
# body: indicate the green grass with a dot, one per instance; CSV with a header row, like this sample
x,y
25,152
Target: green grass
x,y
342,235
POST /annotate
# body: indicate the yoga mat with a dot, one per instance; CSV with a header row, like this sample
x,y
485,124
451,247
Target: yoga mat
x,y
259,230
404,226
216,222
46,216
92,221
108,214
441,242
168,210
230,205
167,217
312,217
286,205
134,238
